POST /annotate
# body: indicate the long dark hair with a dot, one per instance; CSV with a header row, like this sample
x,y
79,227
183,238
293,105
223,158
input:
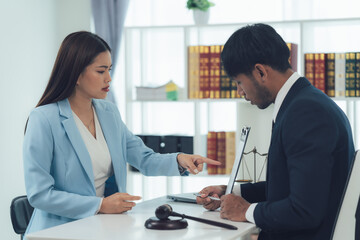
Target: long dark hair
x,y
77,51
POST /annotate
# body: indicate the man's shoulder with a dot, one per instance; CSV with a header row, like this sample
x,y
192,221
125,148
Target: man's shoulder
x,y
307,93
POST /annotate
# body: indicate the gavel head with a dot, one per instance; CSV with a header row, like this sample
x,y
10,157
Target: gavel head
x,y
163,211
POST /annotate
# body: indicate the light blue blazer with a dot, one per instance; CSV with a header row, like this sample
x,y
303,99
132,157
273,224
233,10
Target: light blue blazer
x,y
58,170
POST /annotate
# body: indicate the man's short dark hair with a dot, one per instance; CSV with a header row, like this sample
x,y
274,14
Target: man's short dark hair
x,y
252,44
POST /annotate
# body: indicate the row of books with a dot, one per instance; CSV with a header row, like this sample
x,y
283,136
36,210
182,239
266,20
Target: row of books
x,y
336,74
207,77
168,144
221,146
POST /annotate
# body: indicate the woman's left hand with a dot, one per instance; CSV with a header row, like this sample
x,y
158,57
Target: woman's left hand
x,y
194,163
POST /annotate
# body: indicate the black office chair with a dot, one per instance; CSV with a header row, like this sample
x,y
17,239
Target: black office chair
x,y
20,213
357,224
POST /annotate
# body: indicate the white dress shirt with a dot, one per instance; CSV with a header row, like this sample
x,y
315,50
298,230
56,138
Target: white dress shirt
x,y
99,153
278,102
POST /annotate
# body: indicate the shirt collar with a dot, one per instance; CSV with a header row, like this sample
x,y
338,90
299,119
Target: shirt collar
x,y
283,92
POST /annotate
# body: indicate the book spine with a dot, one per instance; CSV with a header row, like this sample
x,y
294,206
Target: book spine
x,y
212,151
221,148
196,73
340,75
234,92
319,78
230,151
350,63
191,66
357,81
309,67
293,55
225,91
215,71
204,72
330,74
193,72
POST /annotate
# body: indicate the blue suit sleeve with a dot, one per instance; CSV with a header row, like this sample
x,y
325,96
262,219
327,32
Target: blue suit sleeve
x,y
145,159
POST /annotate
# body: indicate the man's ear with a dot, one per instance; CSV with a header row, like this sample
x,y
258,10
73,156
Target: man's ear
x,y
261,70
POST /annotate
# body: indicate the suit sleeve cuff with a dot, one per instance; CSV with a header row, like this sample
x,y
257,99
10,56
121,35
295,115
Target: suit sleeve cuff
x,y
237,190
249,215
183,171
98,210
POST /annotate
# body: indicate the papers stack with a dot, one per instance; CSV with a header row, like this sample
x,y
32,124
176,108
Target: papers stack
x,y
169,91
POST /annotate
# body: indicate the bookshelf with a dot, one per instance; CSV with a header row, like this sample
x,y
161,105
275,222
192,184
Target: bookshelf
x,y
156,54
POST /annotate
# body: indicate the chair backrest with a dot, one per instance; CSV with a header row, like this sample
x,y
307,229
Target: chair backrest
x,y
346,221
357,224
20,212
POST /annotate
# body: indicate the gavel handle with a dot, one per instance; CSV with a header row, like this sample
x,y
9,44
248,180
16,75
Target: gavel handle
x,y
210,222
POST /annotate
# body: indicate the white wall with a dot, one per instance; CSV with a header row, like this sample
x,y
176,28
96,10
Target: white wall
x,y
31,32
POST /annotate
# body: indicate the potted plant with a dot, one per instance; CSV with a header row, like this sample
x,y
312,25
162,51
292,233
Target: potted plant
x,y
200,10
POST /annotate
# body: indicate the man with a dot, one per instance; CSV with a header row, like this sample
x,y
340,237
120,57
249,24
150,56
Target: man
x,y
311,144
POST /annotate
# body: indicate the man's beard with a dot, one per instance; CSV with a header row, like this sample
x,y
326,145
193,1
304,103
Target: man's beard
x,y
262,94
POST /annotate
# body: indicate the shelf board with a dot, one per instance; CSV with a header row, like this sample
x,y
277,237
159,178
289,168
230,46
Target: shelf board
x,y
244,23
240,100
196,100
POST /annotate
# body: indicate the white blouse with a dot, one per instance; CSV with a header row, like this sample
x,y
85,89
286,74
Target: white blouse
x,y
98,151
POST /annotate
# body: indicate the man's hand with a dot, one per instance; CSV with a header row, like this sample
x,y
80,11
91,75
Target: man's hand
x,y
233,208
194,163
213,191
118,203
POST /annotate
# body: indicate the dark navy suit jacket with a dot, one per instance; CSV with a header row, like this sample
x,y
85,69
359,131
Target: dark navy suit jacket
x,y
308,163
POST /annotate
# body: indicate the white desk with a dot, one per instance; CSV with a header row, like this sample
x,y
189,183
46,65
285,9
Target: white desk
x,y
130,225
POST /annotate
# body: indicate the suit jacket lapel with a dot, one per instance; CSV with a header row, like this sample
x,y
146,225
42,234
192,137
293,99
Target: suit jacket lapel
x,y
294,90
76,139
109,126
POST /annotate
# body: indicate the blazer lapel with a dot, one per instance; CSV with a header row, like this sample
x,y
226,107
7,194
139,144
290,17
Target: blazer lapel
x,y
113,139
294,90
76,139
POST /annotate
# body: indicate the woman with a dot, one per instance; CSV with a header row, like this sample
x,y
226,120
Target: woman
x,y
74,141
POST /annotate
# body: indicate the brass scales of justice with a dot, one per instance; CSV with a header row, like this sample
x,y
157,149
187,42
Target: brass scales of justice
x,y
244,166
